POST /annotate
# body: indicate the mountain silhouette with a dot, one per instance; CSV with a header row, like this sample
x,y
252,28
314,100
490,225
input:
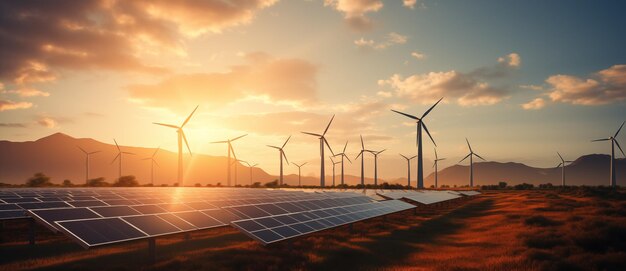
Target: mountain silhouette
x,y
58,156
592,169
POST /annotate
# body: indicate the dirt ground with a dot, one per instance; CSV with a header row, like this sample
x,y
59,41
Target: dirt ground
x,y
573,229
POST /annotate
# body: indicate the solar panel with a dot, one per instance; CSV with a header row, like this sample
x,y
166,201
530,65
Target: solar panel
x,y
94,232
424,197
277,228
48,217
469,193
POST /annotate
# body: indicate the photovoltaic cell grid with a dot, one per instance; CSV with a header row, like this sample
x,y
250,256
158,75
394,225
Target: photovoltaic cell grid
x,y
99,216
277,228
469,193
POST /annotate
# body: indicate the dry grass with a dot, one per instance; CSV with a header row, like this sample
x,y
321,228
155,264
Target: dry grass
x,y
508,230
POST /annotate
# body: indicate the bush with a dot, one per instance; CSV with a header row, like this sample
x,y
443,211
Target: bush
x,y
126,181
272,184
67,183
39,180
97,182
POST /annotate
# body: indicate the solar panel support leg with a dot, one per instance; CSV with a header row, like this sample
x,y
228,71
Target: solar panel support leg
x,y
152,250
415,211
351,227
31,234
187,236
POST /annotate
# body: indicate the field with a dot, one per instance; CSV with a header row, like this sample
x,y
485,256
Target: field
x,y
576,229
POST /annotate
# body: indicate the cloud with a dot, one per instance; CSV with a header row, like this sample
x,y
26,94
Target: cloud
x,y
409,3
281,79
28,92
39,38
535,104
418,55
391,39
355,11
603,87
13,125
11,105
511,60
47,122
429,87
532,87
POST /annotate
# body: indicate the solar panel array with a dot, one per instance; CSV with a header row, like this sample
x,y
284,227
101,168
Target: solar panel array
x,y
99,216
424,197
270,229
469,193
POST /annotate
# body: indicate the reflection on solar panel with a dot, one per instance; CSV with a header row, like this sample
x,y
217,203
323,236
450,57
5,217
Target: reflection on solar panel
x,y
423,197
276,228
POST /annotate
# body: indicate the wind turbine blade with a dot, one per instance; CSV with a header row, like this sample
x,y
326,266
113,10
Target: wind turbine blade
x,y
331,159
558,165
118,146
238,137
465,157
435,149
602,139
562,160
124,152
223,141
620,128
428,133
413,157
304,163
167,125
82,150
360,153
188,118
468,145
155,162
404,157
273,147
155,152
232,150
255,165
344,147
146,159
431,108
348,158
405,114
286,142
186,143
328,145
118,155
328,126
362,144
381,151
620,148
480,157
313,134
440,159
93,152
284,155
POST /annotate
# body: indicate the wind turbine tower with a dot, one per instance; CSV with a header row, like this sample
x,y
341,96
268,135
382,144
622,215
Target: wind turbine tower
x,y
323,142
471,155
229,151
408,169
87,154
281,154
613,139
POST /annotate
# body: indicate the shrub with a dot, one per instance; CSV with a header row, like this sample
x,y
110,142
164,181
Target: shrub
x,y
97,182
126,181
39,180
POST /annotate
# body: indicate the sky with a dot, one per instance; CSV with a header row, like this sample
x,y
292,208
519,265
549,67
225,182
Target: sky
x,y
521,80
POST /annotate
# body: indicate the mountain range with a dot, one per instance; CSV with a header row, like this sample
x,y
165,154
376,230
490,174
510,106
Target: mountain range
x,y
59,157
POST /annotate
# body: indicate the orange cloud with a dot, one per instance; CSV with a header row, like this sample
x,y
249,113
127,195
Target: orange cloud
x,y
40,37
535,104
604,87
355,11
280,79
11,105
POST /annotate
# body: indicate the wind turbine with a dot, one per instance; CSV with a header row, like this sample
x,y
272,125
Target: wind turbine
x,y
362,154
471,155
420,125
152,163
562,165
250,167
614,142
376,153
322,142
334,163
87,162
408,170
437,159
230,150
119,155
299,172
236,163
343,154
181,137
281,154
